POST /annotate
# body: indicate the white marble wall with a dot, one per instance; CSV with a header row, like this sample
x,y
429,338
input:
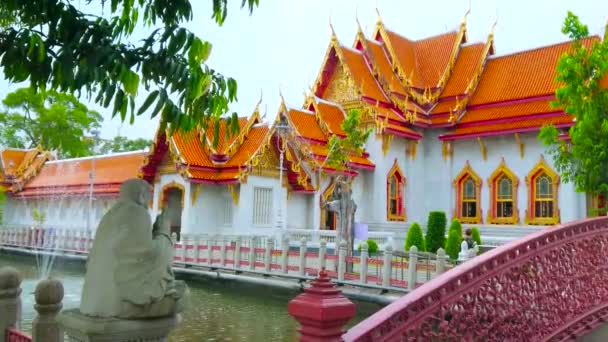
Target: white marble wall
x,y
428,187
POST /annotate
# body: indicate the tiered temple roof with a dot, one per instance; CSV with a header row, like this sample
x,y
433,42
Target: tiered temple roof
x,y
253,150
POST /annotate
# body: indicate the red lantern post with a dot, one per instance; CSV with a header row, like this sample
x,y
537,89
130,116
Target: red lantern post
x,y
322,311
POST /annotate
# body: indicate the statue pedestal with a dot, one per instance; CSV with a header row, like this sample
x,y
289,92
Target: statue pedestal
x,y
82,328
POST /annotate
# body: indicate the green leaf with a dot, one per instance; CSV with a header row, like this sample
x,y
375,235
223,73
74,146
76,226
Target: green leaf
x,y
118,101
130,81
149,100
205,52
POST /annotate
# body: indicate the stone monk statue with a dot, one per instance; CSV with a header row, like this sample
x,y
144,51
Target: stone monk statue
x,y
129,272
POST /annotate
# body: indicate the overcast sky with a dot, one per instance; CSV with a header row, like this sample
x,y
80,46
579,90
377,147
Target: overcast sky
x,y
282,45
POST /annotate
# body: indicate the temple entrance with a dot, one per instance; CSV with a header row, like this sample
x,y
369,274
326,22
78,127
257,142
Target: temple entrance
x,y
328,218
172,199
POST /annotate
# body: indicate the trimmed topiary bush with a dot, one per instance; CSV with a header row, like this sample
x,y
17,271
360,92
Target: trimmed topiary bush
x,y
476,236
372,246
414,238
456,226
435,231
452,247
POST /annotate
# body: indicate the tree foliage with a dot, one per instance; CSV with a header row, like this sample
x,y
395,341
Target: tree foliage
x,y
435,231
452,246
341,148
53,120
372,246
414,238
124,144
456,226
55,45
583,94
476,236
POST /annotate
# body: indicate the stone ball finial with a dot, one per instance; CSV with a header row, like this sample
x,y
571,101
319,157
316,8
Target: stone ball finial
x,y
10,278
49,292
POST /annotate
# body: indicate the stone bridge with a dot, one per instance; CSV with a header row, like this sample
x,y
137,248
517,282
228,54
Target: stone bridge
x,y
549,286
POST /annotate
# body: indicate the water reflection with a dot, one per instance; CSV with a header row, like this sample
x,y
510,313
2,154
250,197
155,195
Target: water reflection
x,y
220,311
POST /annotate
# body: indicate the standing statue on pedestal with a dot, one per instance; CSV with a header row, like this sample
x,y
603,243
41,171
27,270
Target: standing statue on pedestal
x,y
129,272
344,206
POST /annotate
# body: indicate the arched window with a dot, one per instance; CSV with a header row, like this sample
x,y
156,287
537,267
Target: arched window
x,y
395,184
503,196
468,191
542,184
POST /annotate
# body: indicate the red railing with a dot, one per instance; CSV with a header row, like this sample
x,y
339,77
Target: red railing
x,y
14,335
551,285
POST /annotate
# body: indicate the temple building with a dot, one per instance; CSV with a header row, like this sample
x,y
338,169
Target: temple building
x,y
454,129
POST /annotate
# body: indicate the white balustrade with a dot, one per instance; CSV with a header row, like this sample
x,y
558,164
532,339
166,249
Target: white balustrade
x,y
363,263
341,260
284,254
215,251
268,255
387,266
303,248
322,252
237,253
412,273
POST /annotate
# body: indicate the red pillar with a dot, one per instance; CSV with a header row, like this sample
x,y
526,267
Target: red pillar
x,y
322,311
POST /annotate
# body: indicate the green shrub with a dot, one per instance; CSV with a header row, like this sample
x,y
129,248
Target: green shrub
x,y
414,238
476,236
452,247
435,231
372,246
456,226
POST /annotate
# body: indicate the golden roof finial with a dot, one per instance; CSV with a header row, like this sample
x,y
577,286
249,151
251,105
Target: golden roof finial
x,y
359,29
257,106
281,95
379,17
334,37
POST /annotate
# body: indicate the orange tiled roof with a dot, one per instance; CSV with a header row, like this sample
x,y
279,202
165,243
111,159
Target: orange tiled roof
x,y
513,125
251,144
443,107
191,148
383,112
424,61
332,114
464,70
362,74
225,139
306,124
322,151
384,66
110,169
440,119
508,111
403,130
521,75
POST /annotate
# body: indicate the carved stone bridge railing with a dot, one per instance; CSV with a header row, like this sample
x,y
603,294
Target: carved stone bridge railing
x,y
551,285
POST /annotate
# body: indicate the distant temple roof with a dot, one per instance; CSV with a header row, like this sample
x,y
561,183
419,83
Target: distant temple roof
x,y
71,176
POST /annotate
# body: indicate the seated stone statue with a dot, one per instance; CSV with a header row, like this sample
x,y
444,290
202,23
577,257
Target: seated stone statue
x,y
129,271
